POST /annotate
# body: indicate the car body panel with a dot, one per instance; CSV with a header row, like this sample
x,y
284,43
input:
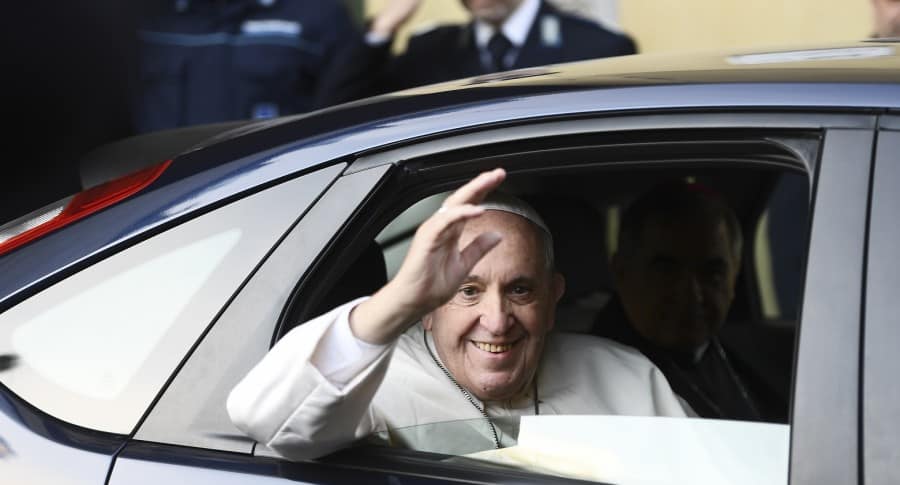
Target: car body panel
x,y
826,386
28,454
880,391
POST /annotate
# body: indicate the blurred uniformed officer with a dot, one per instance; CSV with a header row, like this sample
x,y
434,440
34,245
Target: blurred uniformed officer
x,y
206,61
502,35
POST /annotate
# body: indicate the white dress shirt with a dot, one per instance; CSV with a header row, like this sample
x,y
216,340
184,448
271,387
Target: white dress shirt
x,y
515,28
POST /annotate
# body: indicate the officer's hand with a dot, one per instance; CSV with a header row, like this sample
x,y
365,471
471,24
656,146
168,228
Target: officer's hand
x,y
393,16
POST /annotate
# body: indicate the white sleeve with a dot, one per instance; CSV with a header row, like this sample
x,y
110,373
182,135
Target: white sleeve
x,y
287,404
340,355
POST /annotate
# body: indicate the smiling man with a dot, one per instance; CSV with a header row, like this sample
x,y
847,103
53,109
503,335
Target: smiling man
x,y
479,277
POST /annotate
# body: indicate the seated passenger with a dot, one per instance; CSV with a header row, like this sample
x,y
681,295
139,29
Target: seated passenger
x,y
481,281
678,257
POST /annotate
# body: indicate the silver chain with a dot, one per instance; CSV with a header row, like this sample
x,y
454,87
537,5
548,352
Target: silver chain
x,y
463,391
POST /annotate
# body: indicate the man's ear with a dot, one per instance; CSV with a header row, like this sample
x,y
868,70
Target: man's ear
x,y
426,322
559,286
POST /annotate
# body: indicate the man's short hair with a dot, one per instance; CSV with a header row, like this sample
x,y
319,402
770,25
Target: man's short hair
x,y
674,201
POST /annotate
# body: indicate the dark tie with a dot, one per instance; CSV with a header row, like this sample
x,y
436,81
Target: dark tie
x,y
498,47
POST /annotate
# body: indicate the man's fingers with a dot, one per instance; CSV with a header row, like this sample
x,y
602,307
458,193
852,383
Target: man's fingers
x,y
478,248
476,189
447,216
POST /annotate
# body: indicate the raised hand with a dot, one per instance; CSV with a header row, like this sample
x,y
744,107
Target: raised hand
x,y
395,14
434,267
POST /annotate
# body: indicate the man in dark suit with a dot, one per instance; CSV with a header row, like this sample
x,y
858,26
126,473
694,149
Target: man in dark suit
x,y
503,34
675,270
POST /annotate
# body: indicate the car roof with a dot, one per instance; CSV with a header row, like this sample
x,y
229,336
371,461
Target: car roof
x,y
836,78
853,66
846,73
868,61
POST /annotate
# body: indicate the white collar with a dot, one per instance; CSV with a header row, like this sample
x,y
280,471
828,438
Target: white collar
x,y
515,28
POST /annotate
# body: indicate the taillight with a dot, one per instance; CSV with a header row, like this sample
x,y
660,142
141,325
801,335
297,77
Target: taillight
x,y
54,216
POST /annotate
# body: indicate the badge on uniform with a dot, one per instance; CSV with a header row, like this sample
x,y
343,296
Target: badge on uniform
x,y
261,111
550,31
272,26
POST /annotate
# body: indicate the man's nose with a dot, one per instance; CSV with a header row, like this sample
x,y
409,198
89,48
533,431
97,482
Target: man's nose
x,y
696,287
495,313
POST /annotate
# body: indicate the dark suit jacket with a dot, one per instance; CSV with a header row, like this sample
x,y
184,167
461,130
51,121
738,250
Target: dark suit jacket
x,y
449,52
724,383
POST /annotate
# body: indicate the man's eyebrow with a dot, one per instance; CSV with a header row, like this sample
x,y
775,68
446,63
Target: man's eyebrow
x,y
522,279
472,279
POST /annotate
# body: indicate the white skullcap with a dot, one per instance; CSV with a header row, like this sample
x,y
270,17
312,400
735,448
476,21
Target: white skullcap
x,y
500,201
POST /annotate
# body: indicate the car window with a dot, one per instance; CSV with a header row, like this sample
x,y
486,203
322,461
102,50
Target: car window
x,y
780,248
95,348
192,411
760,353
326,261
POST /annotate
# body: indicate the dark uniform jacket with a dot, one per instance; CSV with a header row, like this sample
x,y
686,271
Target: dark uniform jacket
x,y
450,52
205,61
720,384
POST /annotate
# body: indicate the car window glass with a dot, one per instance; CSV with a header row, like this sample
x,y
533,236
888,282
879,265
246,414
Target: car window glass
x,y
780,248
396,236
192,410
95,348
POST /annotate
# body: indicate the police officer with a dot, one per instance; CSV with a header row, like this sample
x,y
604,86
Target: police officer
x,y
206,61
502,35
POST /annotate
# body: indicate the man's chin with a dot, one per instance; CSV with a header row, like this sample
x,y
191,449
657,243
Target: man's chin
x,y
492,390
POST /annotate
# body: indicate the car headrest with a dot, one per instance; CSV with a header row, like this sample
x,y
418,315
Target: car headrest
x,y
363,277
579,245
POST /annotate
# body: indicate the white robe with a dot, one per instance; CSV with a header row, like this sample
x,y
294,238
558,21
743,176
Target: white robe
x,y
285,403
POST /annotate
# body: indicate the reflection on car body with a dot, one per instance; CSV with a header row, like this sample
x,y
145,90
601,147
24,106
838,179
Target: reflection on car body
x,y
124,330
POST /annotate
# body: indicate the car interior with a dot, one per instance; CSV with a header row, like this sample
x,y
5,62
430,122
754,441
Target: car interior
x,y
581,190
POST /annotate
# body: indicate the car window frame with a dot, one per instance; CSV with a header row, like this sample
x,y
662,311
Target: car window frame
x,y
880,393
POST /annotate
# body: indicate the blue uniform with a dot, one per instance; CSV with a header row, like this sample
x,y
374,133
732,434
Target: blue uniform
x,y
449,52
206,61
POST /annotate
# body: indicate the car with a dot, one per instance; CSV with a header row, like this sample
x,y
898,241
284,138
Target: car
x,y
129,310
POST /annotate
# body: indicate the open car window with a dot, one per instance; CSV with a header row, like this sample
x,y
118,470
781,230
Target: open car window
x,y
583,194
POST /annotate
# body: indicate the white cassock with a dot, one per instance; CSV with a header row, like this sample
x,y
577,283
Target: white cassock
x,y
286,403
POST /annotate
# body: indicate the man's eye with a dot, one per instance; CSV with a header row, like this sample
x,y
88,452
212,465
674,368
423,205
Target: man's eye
x,y
468,291
520,290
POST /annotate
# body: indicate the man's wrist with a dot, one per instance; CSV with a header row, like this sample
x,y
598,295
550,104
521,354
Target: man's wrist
x,y
383,317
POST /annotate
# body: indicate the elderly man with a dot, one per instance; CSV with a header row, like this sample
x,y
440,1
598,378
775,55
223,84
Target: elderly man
x,y
678,257
480,279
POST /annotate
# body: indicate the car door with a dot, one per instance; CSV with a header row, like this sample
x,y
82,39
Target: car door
x,y
187,435
880,392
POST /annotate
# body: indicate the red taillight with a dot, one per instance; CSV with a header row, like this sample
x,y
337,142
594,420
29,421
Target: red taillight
x,y
54,216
